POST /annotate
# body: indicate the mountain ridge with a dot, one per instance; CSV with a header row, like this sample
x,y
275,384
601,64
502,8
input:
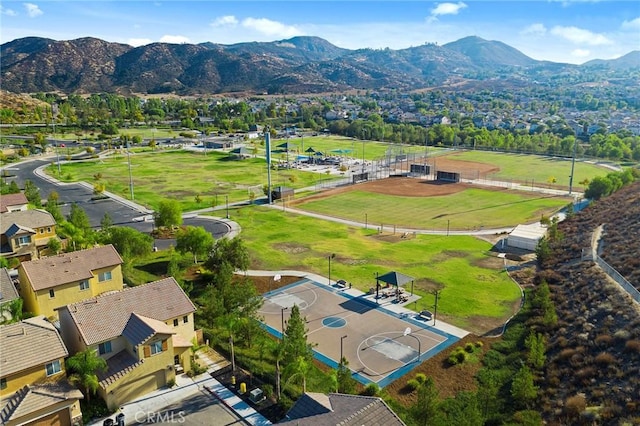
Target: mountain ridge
x,y
296,65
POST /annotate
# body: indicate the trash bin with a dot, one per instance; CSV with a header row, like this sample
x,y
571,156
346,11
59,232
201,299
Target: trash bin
x,y
108,422
120,419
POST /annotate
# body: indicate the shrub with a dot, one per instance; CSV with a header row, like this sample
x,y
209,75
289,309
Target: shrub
x,y
171,383
267,388
605,358
372,389
413,384
458,356
603,340
632,346
469,347
421,378
479,344
575,405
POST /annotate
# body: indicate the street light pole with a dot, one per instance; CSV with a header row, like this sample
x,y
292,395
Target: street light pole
x,y
282,319
226,197
130,174
331,256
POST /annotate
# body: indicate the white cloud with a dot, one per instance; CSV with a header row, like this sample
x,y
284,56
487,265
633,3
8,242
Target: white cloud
x,y
174,39
634,24
271,28
579,35
135,42
447,8
225,21
580,53
534,30
8,12
33,10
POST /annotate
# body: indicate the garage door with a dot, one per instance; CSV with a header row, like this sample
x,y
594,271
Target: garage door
x,y
135,389
61,418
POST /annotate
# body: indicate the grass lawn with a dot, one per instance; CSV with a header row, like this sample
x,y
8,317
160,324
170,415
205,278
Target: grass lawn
x,y
475,285
182,175
519,167
327,144
467,210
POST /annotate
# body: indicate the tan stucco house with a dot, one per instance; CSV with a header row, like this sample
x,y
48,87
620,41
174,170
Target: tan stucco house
x,y
145,334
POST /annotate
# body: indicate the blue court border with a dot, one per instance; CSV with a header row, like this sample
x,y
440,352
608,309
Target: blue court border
x,y
450,339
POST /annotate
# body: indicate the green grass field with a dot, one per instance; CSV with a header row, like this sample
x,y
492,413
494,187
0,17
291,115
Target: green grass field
x,y
467,210
182,175
536,168
474,283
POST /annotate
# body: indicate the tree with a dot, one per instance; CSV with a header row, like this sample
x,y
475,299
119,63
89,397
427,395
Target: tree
x,y
295,338
82,369
536,344
600,186
54,245
346,382
106,222
463,409
523,390
78,218
32,193
231,251
128,242
53,207
169,213
195,240
13,187
424,411
11,312
543,251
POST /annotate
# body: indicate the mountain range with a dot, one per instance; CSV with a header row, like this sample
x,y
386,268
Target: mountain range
x,y
296,65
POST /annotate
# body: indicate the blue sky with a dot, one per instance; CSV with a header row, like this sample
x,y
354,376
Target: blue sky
x,y
572,31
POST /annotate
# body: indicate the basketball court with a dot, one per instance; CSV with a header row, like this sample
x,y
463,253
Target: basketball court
x,y
379,344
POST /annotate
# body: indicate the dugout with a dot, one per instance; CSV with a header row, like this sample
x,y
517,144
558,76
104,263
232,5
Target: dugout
x,y
360,177
443,176
420,169
282,193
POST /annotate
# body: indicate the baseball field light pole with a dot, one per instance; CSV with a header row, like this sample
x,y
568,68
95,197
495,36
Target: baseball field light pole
x,y
331,256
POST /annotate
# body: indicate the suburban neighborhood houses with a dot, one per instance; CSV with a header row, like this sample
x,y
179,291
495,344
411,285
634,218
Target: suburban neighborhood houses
x,y
55,281
144,333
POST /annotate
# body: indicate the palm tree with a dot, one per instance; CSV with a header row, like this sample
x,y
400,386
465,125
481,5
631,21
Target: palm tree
x,y
83,368
11,312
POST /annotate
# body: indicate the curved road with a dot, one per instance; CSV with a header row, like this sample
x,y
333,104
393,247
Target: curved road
x,y
123,212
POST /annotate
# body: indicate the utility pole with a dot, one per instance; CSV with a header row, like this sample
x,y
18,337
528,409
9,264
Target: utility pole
x,y
573,164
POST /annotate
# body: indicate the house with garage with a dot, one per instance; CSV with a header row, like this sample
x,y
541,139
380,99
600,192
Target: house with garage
x,y
13,202
54,281
24,234
33,386
317,409
144,333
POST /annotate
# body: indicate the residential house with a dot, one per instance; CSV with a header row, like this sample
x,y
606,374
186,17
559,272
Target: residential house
x,y
51,282
13,202
39,405
8,294
24,234
33,387
317,409
145,334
